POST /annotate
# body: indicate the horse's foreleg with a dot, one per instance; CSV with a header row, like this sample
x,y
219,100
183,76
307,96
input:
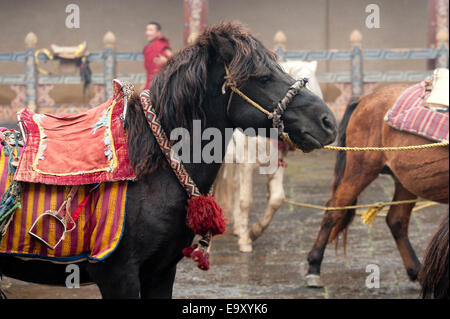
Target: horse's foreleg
x,y
235,197
276,199
245,203
115,281
359,172
398,222
158,286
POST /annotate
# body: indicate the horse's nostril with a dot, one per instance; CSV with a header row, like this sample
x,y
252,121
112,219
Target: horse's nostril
x,y
327,123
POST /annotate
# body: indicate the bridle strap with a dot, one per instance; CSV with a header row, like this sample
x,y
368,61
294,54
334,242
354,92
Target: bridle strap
x,y
293,90
276,115
229,83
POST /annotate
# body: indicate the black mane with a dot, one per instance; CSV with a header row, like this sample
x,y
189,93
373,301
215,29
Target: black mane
x,y
179,90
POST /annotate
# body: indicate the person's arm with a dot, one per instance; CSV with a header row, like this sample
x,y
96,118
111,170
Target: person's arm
x,y
168,53
162,59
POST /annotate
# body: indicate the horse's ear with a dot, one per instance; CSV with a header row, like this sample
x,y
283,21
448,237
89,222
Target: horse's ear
x,y
313,65
223,47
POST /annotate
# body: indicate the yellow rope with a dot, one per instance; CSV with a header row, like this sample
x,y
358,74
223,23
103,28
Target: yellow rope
x,y
399,202
420,206
393,148
245,97
371,148
286,138
373,211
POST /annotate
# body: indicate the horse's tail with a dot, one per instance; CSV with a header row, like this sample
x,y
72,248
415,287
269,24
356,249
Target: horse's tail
x,y
434,273
339,170
2,294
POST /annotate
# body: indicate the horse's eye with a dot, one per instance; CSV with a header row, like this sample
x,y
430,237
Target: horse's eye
x,y
264,79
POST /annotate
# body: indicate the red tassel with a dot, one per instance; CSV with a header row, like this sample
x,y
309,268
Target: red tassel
x,y
204,214
197,255
187,252
204,263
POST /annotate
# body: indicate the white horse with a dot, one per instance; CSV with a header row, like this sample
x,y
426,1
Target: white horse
x,y
234,183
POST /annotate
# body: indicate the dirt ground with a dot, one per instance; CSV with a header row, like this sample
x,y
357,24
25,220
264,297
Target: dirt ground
x,y
277,266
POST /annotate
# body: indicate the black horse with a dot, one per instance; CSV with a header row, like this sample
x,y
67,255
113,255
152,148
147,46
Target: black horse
x,y
433,275
188,88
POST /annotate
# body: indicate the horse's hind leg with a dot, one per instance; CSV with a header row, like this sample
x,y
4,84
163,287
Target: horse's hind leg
x,y
360,170
276,199
398,221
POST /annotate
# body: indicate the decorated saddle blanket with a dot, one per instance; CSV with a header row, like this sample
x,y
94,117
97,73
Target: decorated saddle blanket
x,y
98,229
409,114
76,149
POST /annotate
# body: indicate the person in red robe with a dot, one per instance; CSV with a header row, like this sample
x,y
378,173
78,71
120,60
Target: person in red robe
x,y
156,52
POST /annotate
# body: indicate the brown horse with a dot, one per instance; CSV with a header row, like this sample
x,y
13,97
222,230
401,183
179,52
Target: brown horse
x,y
434,273
417,173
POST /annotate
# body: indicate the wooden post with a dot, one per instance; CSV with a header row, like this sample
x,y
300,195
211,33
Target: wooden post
x,y
195,19
109,40
437,24
431,41
357,71
442,45
31,80
279,41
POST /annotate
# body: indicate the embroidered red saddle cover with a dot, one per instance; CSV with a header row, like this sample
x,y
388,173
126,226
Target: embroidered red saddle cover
x,y
76,149
408,114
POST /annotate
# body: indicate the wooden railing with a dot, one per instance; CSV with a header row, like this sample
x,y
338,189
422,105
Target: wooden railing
x,y
32,89
356,81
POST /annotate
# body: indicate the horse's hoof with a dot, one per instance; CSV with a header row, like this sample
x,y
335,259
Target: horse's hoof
x,y
245,248
313,281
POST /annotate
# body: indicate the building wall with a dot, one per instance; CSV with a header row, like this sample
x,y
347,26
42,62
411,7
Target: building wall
x,y
309,25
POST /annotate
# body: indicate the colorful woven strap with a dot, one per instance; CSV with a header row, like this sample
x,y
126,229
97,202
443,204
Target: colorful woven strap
x,y
178,168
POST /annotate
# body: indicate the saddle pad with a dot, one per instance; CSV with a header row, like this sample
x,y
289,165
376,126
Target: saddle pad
x,y
408,114
75,149
98,231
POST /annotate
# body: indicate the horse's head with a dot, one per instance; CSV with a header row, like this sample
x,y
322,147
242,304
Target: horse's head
x,y
253,70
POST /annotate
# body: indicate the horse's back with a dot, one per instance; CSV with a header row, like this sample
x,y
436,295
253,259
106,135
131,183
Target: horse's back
x,y
424,172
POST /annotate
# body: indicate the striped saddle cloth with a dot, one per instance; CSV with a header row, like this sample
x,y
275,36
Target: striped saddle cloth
x,y
98,229
409,114
87,151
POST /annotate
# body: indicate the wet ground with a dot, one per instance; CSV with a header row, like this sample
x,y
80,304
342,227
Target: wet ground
x,y
276,268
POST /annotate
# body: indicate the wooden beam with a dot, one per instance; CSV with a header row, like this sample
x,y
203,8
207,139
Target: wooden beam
x,y
195,19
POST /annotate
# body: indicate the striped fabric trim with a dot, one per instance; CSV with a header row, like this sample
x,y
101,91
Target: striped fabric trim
x,y
164,143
